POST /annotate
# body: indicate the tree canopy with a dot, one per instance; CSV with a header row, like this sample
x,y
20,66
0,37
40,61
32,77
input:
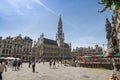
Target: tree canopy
x,y
110,4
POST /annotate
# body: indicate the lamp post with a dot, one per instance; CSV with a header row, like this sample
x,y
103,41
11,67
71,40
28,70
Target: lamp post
x,y
103,49
63,54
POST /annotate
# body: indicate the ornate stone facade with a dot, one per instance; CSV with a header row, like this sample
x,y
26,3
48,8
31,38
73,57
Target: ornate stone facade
x,y
16,47
42,49
53,49
81,51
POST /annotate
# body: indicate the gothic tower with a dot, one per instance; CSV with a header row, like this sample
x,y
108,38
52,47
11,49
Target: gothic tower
x,y
60,34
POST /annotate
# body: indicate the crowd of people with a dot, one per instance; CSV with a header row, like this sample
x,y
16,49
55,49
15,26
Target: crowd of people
x,y
54,63
16,65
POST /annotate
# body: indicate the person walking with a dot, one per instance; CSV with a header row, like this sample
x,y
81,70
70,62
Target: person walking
x,y
33,66
43,61
29,63
2,67
57,63
50,63
54,65
18,65
15,63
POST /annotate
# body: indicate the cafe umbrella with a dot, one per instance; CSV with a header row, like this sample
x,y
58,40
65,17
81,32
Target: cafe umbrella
x,y
85,57
97,56
117,55
109,56
2,57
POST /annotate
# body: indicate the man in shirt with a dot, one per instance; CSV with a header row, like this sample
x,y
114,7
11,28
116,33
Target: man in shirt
x,y
2,67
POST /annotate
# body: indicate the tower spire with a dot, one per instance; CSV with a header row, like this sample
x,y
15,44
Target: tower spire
x,y
60,34
60,20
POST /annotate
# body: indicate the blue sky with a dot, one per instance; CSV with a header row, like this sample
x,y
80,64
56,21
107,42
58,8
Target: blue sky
x,y
82,24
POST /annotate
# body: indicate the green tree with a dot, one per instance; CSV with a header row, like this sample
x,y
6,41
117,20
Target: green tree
x,y
110,4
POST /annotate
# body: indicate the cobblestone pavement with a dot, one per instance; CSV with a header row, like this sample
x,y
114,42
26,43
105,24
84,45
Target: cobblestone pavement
x,y
44,72
118,74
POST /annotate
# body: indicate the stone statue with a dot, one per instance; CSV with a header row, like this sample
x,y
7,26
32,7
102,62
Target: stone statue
x,y
108,28
108,32
111,36
114,39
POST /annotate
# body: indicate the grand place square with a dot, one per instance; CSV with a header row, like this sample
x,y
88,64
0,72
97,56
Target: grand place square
x,y
59,40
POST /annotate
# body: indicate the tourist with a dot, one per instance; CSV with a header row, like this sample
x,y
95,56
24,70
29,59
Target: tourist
x,y
50,63
21,63
33,66
2,67
54,64
18,65
43,61
15,62
29,62
58,63
6,63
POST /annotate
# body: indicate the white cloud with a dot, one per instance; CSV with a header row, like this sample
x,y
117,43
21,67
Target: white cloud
x,y
28,6
44,6
15,5
19,6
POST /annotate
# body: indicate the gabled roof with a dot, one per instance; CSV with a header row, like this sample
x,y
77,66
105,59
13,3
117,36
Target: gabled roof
x,y
50,42
66,45
27,38
53,42
18,38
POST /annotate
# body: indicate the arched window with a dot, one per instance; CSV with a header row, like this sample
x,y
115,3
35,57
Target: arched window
x,y
9,51
3,51
6,51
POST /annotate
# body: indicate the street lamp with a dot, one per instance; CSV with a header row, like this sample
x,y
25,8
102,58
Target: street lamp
x,y
63,54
